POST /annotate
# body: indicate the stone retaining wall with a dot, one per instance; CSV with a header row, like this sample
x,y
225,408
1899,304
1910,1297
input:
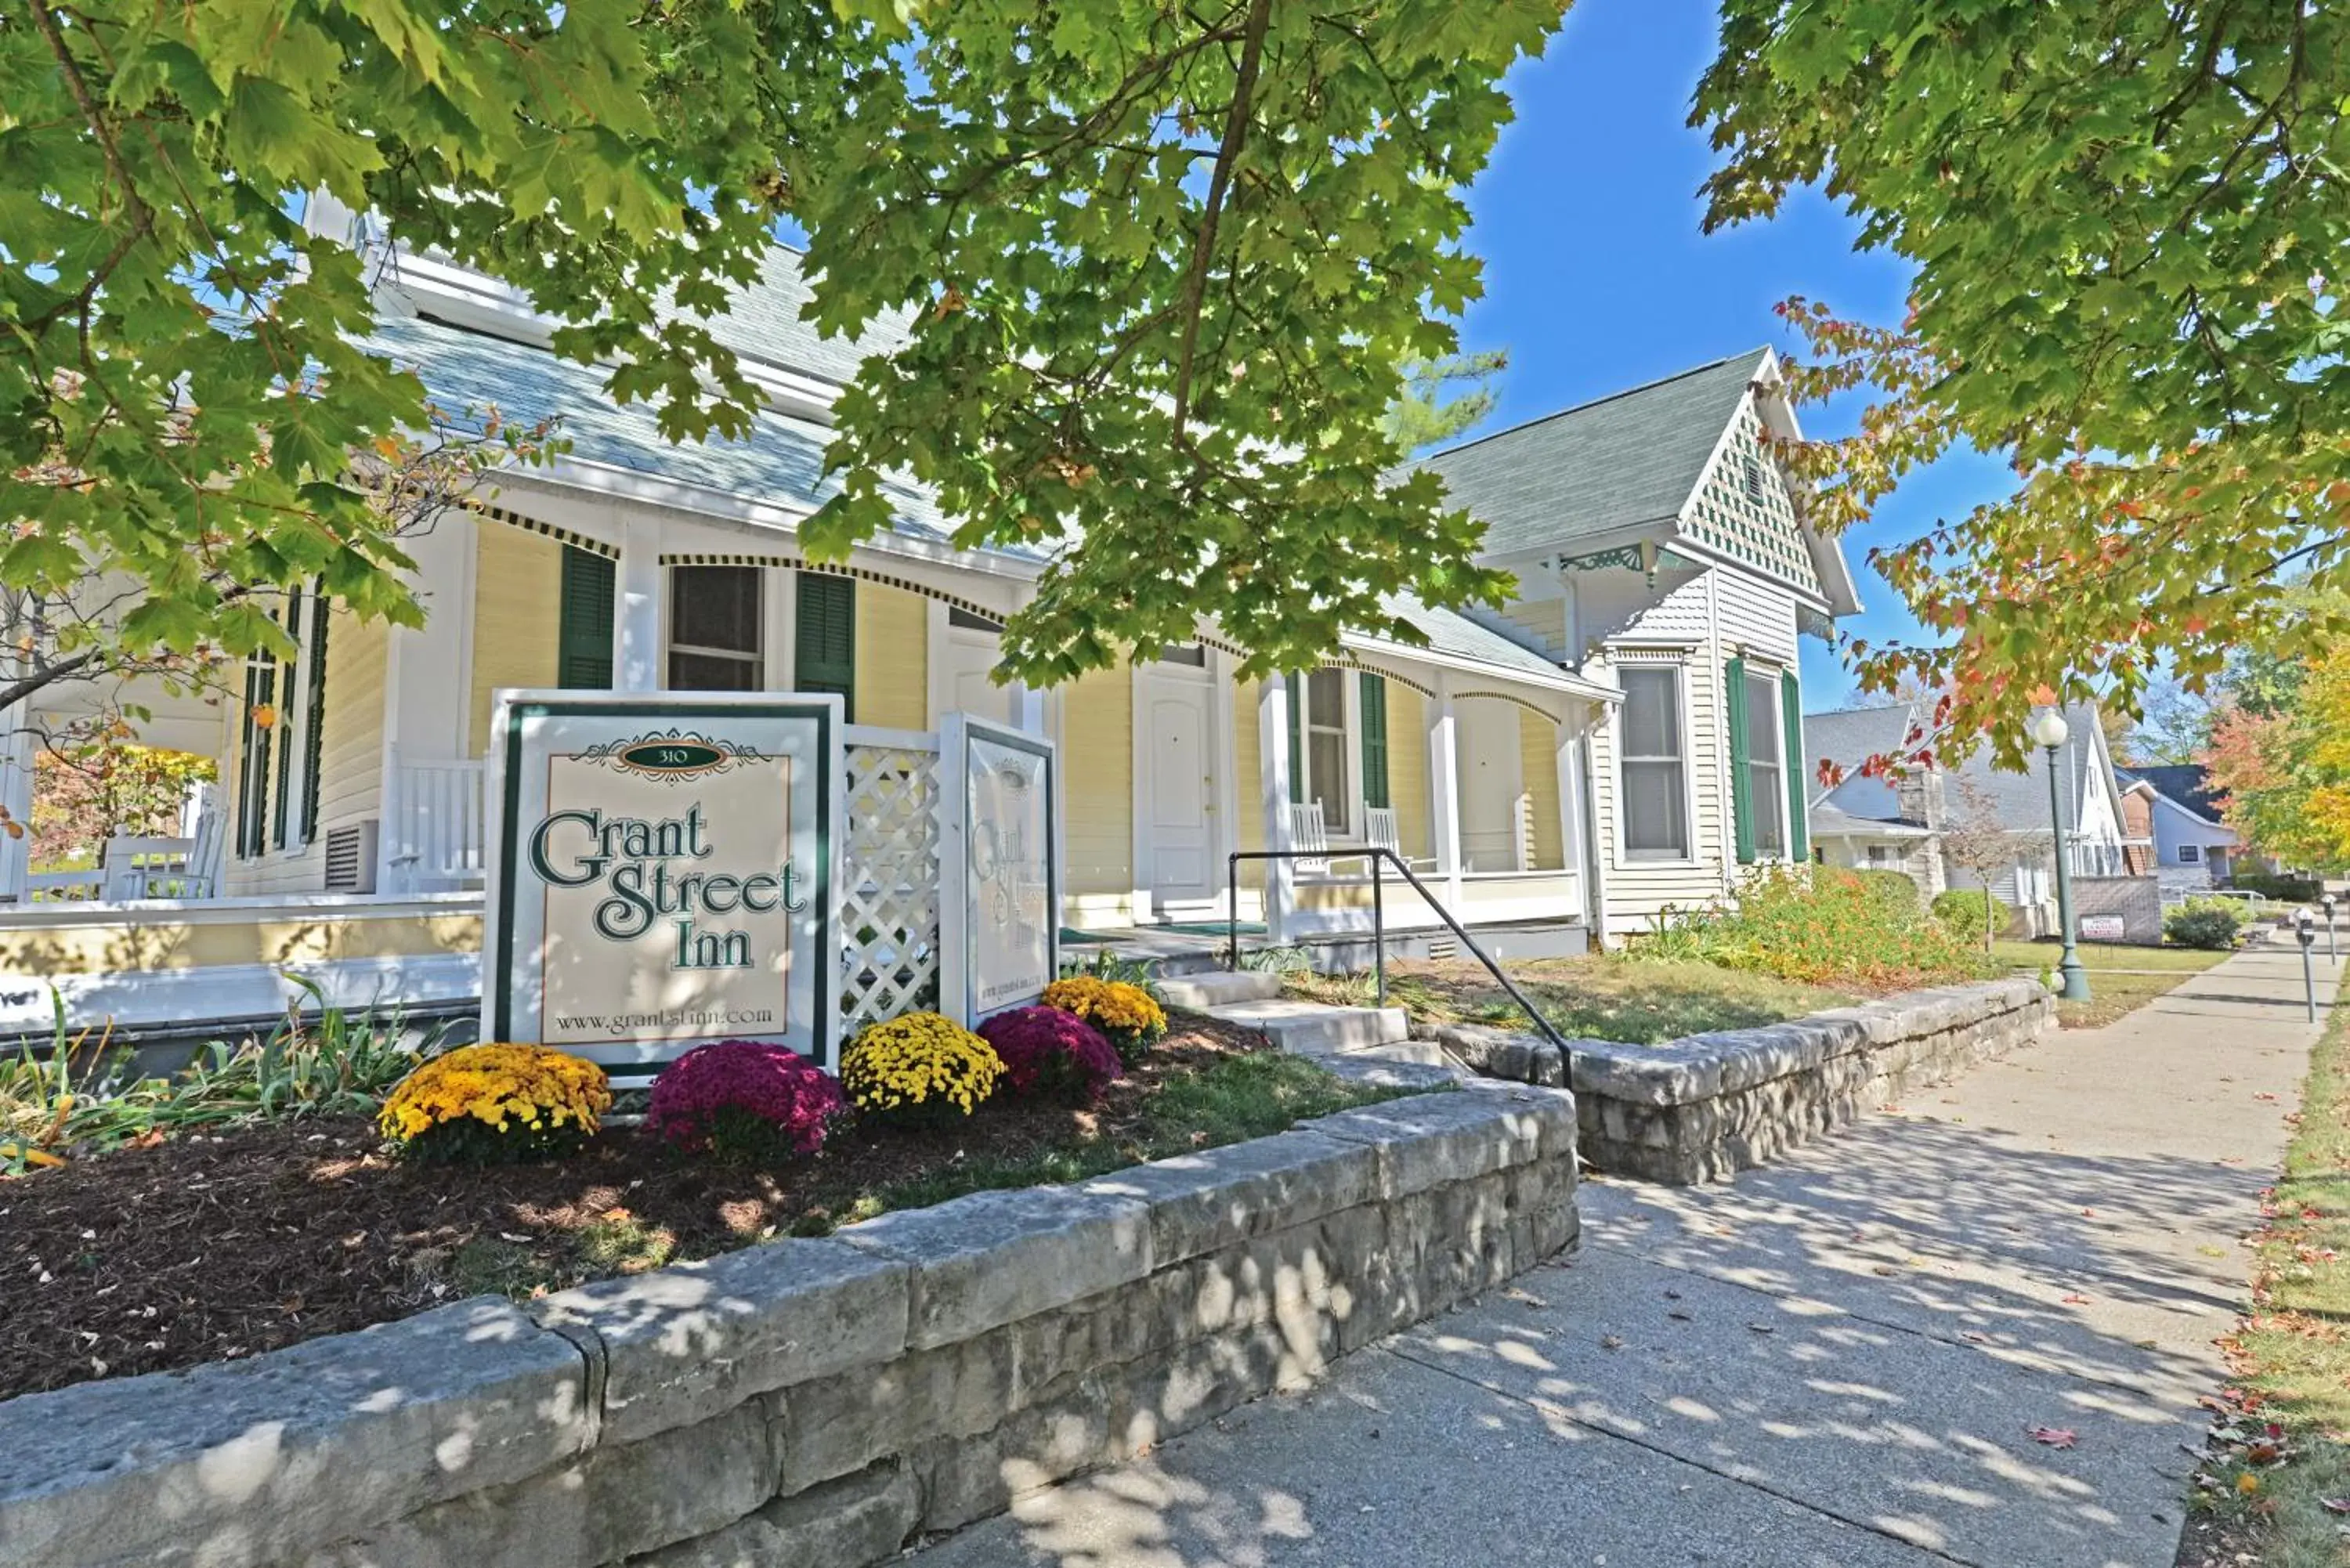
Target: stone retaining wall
x,y
807,1401
1703,1107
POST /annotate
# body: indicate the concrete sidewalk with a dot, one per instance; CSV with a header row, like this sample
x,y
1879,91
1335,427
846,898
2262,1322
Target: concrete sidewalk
x,y
1836,1363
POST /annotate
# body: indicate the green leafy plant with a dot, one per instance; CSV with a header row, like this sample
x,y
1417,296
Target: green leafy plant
x,y
1897,891
2154,189
1972,911
1106,965
1817,924
2204,923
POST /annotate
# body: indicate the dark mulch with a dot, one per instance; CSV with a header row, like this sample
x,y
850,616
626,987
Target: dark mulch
x,y
214,1248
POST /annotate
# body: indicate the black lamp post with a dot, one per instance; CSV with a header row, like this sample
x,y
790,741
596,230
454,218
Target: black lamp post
x,y
2049,729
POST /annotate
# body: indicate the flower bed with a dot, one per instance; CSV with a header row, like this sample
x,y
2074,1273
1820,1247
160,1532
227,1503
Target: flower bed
x,y
220,1245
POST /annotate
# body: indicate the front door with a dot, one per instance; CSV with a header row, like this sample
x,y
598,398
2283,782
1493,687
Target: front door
x,y
1177,791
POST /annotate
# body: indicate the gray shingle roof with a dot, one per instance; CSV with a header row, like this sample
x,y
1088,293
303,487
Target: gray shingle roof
x,y
1625,459
1452,635
2021,800
763,322
2187,784
783,462
1848,739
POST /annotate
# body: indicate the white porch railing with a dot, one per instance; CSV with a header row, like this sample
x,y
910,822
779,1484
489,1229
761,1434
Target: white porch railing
x,y
433,826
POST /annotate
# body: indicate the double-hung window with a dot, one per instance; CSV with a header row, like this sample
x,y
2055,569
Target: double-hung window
x,y
1655,781
714,629
1318,748
1766,771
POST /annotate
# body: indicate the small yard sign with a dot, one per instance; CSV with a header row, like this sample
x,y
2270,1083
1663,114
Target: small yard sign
x,y
662,874
2104,929
1000,905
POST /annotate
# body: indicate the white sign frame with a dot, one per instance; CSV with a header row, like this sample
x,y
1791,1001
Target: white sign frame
x,y
513,979
959,979
2110,928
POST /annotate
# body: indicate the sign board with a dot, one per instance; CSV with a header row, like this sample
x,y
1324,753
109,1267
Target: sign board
x,y
1000,865
661,873
2104,929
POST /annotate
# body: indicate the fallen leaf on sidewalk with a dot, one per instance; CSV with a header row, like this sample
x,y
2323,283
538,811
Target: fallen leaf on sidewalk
x,y
2077,1300
1761,1328
2268,1097
1610,1341
2054,1436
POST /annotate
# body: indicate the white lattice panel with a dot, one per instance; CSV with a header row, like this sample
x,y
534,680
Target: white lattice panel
x,y
889,875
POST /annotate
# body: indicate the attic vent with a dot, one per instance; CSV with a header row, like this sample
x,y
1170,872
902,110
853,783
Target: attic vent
x,y
1754,474
351,857
1440,948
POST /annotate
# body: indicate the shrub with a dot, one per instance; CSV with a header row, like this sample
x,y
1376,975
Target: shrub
x,y
2279,885
1897,891
743,1099
485,1105
1128,1016
1970,912
922,1067
1050,1053
1820,925
2204,923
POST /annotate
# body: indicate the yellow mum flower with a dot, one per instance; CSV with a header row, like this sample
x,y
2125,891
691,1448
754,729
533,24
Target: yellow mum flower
x,y
558,1098
920,1064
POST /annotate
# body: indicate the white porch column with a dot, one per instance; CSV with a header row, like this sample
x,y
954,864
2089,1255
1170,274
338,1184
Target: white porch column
x,y
1027,705
636,631
1272,754
1575,815
17,749
1444,790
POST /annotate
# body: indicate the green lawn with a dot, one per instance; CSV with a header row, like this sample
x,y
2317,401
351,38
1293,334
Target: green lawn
x,y
1636,1000
2274,1499
2098,956
2122,979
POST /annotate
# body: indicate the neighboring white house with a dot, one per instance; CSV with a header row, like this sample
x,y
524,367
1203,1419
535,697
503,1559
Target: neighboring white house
x,y
1661,549
1903,823
2193,849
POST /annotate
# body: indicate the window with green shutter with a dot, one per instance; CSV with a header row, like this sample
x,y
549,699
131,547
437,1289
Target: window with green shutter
x,y
313,706
583,638
1374,742
1791,711
252,757
289,722
825,638
1741,794
1296,706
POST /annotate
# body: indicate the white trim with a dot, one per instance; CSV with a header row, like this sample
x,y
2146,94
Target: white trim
x,y
242,909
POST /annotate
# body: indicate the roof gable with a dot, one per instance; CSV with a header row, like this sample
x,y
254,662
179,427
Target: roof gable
x,y
1630,459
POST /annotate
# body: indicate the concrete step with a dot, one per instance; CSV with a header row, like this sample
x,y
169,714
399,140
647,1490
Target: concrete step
x,y
1215,989
1310,1029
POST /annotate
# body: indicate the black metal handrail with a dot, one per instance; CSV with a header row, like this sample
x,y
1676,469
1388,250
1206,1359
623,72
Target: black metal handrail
x,y
1376,856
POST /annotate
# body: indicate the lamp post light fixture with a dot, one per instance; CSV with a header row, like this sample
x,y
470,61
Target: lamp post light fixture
x,y
2049,729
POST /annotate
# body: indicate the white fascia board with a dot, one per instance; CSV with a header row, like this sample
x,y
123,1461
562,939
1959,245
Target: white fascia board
x,y
638,488
1509,675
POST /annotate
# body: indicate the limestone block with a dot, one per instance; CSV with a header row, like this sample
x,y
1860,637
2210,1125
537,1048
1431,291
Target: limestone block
x,y
259,1460
1430,1140
685,1344
838,1425
1201,1202
991,1258
846,1523
613,1502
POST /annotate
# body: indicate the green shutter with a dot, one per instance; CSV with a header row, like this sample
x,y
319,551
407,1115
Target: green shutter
x,y
314,705
825,638
583,638
1296,685
1374,742
1741,781
1791,708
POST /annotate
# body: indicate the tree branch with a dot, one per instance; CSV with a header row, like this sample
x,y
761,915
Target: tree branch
x,y
1228,152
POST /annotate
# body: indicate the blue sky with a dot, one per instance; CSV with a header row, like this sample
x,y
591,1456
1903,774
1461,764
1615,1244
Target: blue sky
x,y
1597,277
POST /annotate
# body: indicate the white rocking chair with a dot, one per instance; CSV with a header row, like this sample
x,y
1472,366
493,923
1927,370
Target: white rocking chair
x,y
1379,832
